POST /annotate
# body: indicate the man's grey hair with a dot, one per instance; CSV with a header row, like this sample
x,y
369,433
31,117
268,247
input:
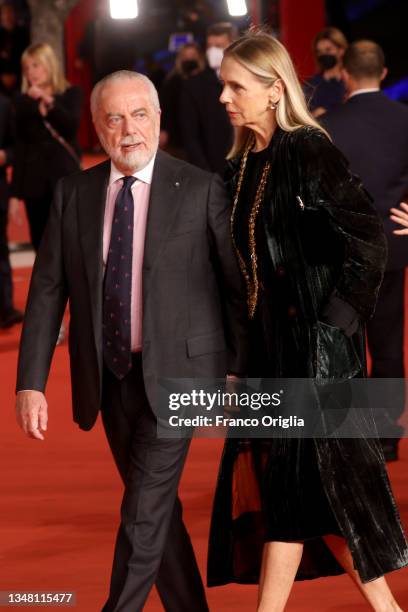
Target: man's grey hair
x,y
123,75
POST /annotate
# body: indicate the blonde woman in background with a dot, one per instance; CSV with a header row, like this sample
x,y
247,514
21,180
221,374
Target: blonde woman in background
x,y
47,116
325,90
312,252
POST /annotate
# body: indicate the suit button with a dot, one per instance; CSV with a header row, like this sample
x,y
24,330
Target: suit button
x,y
280,271
292,312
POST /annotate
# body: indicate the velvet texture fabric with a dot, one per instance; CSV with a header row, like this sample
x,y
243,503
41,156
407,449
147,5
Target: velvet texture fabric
x,y
321,255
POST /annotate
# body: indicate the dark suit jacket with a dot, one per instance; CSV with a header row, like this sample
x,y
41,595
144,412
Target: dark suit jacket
x,y
194,309
372,132
40,160
207,131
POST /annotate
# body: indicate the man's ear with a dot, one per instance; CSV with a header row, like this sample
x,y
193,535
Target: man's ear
x,y
384,74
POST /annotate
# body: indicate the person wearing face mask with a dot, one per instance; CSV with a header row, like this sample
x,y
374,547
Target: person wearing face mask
x,y
189,62
325,90
206,131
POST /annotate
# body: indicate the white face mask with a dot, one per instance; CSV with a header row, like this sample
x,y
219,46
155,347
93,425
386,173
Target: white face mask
x,y
214,57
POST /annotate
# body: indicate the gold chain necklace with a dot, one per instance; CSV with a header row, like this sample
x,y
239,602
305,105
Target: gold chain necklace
x,y
252,284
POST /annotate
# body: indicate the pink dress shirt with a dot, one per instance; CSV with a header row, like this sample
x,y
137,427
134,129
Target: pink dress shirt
x,y
141,195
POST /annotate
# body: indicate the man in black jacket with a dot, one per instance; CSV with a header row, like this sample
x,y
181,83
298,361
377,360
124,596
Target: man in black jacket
x,y
8,314
372,131
140,246
207,131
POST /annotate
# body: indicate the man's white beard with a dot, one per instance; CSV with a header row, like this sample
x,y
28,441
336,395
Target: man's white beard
x,y
134,160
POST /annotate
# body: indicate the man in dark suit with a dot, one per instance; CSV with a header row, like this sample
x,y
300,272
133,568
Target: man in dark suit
x,y
140,246
8,314
206,129
372,131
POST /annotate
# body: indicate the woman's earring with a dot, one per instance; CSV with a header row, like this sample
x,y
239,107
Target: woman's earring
x,y
272,105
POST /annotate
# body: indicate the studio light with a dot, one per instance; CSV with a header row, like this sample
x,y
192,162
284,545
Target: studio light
x,y
123,9
237,8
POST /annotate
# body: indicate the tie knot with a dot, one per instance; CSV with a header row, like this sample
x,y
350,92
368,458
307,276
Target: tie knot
x,y
128,181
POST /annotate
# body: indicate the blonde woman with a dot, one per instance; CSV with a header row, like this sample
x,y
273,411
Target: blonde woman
x,y
325,90
47,119
312,253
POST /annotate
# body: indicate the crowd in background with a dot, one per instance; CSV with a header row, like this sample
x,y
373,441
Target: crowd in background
x,y
40,115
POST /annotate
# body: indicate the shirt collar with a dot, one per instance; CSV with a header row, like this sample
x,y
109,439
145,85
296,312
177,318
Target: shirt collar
x,y
363,91
145,174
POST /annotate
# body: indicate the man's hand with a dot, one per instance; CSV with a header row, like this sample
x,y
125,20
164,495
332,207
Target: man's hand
x,y
32,413
400,216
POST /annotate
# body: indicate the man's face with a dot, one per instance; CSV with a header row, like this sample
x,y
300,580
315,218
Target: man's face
x,y
221,41
127,124
7,17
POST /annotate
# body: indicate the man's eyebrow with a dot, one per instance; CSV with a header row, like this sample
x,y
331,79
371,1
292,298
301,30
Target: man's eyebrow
x,y
136,110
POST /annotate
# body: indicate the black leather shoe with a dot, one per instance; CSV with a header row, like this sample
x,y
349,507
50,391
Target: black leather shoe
x,y
11,318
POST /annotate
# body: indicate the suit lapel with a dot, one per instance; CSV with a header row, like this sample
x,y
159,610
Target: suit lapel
x,y
165,198
91,210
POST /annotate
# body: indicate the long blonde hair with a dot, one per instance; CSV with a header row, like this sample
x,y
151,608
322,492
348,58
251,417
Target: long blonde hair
x,y
45,54
267,59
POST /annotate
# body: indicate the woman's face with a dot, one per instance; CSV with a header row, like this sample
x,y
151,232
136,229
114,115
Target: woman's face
x,y
247,100
327,47
35,72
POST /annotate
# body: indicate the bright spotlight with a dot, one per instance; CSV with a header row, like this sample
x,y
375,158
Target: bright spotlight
x,y
237,8
123,9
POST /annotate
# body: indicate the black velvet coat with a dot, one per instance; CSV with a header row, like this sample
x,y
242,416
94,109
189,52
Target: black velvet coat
x,y
326,253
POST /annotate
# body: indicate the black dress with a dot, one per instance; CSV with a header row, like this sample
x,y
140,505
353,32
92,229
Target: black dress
x,y
319,269
308,514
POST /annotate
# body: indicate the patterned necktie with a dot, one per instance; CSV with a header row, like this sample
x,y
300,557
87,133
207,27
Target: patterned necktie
x,y
118,285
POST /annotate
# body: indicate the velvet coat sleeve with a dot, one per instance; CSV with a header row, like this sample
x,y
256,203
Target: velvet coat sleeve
x,y
328,186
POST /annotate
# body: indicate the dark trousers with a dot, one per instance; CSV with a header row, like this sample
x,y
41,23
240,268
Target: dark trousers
x,y
385,335
6,285
38,210
152,544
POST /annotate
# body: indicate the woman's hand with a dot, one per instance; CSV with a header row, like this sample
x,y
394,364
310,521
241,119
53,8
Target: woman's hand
x,y
401,217
36,93
15,214
46,101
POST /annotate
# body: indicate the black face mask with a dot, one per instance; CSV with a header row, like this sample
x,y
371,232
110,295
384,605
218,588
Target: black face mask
x,y
188,66
327,61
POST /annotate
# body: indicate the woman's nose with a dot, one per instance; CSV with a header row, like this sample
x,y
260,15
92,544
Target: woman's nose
x,y
224,98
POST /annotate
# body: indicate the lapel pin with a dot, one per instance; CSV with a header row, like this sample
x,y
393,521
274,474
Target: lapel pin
x,y
177,184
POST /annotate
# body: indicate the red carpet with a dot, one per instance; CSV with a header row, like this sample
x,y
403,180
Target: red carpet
x,y
60,503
